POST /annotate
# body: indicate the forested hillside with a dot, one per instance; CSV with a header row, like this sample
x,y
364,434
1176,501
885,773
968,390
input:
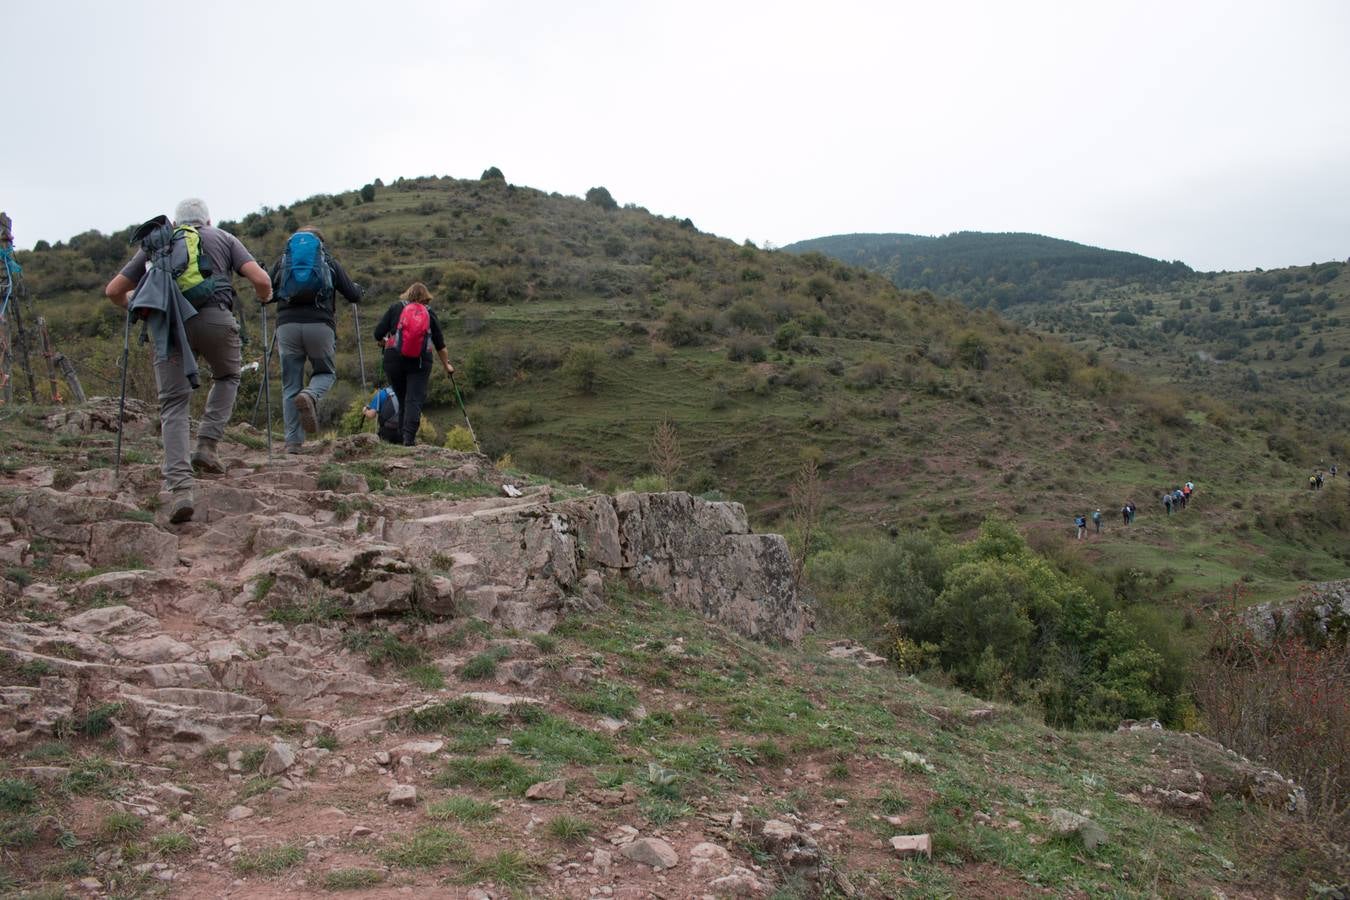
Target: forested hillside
x,y
999,270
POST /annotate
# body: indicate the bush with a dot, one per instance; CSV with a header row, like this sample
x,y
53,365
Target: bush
x,y
788,336
746,348
581,369
459,438
601,197
1285,701
519,414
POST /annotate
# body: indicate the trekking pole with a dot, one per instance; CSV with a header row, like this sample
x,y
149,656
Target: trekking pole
x,y
122,403
360,352
268,353
267,379
460,398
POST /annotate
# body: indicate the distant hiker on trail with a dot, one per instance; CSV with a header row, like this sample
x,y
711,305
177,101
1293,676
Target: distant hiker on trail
x,y
1333,470
213,332
384,409
1080,522
1125,514
1097,520
408,331
1133,509
303,282
1178,499
1312,482
1167,501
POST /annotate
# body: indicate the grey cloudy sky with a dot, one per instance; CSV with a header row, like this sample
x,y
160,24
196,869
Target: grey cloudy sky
x,y
1214,133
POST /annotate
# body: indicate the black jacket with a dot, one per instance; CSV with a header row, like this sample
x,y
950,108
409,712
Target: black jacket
x,y
388,324
322,311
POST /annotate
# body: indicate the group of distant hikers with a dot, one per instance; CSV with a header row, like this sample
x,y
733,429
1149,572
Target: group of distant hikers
x,y
180,283
1175,499
1317,479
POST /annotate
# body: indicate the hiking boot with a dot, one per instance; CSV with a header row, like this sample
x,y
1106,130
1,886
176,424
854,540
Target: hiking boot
x,y
204,458
295,449
309,413
182,508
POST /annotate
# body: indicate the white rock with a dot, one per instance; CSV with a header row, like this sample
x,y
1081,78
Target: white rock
x,y
402,795
280,757
238,812
652,852
912,845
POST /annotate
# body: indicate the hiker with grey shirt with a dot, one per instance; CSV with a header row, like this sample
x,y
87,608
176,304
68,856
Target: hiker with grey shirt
x,y
307,332
214,334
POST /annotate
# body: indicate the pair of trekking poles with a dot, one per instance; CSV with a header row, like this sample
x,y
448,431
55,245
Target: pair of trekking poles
x,y
265,394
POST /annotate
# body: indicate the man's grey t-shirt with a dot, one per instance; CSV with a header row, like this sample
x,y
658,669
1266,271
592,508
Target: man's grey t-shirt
x,y
227,254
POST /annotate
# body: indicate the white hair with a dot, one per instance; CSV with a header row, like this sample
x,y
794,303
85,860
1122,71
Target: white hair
x,y
192,211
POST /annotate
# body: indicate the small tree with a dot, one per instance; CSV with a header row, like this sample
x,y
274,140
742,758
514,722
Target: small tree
x,y
601,198
666,457
805,496
368,193
492,173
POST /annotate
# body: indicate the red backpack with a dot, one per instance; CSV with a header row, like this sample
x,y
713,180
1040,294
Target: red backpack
x,y
414,327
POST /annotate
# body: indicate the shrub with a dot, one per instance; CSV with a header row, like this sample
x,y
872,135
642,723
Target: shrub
x,y
582,368
601,197
519,414
746,348
788,336
457,437
1285,700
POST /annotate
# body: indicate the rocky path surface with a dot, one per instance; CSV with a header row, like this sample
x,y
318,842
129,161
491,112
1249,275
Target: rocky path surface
x,y
227,663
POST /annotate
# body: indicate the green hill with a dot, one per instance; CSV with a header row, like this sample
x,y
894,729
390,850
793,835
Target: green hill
x,y
579,326
1274,344
985,269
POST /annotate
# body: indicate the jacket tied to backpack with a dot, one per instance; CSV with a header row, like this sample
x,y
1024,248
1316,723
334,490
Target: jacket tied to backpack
x,y
159,301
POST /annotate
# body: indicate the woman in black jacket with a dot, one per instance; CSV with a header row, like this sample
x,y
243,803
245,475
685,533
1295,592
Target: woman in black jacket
x,y
408,375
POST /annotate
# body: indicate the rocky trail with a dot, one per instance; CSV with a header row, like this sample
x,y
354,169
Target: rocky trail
x,y
366,670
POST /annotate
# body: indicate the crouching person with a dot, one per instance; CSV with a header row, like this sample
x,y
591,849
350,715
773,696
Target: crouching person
x,y
384,409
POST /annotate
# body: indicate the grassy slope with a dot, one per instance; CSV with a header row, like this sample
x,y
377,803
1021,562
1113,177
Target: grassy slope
x,y
924,441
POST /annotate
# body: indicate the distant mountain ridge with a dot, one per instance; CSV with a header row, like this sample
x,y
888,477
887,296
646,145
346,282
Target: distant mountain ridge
x,y
989,269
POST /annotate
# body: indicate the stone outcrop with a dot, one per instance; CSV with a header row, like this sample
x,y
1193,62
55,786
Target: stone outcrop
x,y
1320,610
186,641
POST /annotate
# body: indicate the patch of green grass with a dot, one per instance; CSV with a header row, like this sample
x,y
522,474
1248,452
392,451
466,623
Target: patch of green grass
x,y
48,751
172,843
16,795
461,809
484,665
119,826
425,848
491,773
570,829
442,717
326,741
258,784
546,643
509,868
660,811
603,698
329,478
20,576
98,721
315,610
136,515
425,676
253,757
269,860
94,777
554,739
263,586
247,438
351,879
74,867
17,833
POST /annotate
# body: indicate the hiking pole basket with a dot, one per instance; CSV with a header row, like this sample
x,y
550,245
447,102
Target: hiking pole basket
x,y
460,398
122,402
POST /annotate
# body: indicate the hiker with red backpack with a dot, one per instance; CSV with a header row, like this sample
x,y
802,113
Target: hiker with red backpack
x,y
304,281
408,331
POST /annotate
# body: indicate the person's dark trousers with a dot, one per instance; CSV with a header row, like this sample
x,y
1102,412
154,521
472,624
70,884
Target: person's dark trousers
x,y
409,379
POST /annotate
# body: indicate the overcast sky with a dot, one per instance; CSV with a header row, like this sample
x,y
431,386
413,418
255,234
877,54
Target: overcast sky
x,y
1214,133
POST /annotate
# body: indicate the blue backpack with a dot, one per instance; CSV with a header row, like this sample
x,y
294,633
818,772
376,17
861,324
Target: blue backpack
x,y
305,276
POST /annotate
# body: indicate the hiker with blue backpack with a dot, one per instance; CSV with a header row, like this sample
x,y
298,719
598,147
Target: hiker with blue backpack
x,y
408,331
304,282
197,319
